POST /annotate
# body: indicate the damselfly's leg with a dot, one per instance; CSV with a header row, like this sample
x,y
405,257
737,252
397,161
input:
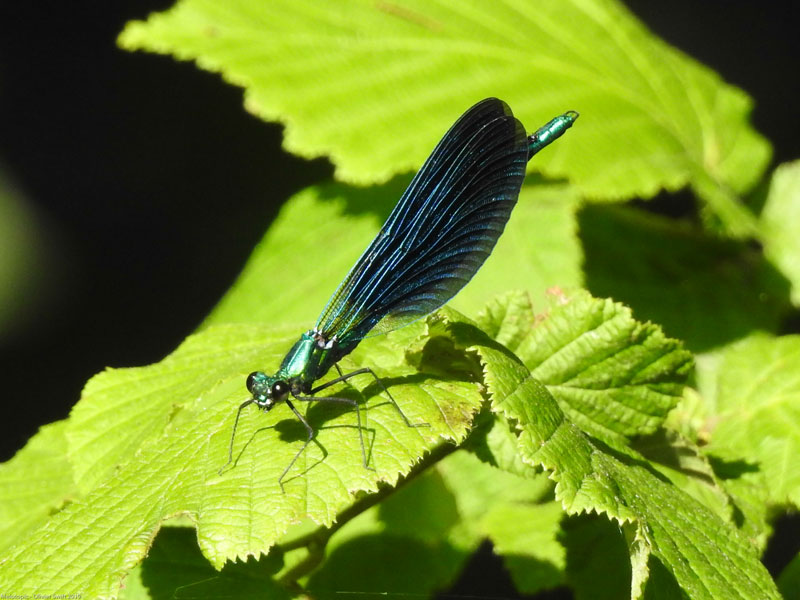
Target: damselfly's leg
x,y
361,371
348,401
310,432
233,434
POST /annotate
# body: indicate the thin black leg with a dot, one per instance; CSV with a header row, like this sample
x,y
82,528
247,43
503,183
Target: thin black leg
x,y
233,434
342,377
310,432
352,403
362,371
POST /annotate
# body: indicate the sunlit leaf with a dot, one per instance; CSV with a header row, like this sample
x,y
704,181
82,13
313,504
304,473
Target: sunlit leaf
x,y
243,511
781,216
706,556
34,484
374,85
753,412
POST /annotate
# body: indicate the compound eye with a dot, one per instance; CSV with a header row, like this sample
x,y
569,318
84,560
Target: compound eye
x,y
258,384
279,389
251,381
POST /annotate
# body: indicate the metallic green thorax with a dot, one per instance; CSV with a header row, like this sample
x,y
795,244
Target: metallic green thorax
x,y
550,132
309,359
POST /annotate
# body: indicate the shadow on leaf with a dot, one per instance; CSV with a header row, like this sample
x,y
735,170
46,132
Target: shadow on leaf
x,y
702,290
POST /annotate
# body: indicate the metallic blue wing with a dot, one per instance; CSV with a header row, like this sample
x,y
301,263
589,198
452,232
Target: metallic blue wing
x,y
440,232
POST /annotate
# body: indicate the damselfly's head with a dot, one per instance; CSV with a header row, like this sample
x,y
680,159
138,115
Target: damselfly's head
x,y
267,391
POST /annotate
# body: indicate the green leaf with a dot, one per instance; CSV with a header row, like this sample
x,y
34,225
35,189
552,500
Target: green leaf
x,y
597,561
704,291
706,556
780,217
525,535
742,481
661,585
36,483
652,117
386,565
381,552
753,411
515,513
494,441
789,580
92,543
477,487
122,409
688,468
320,233
425,509
175,568
613,376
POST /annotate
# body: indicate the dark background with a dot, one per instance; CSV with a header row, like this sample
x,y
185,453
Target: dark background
x,y
151,184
